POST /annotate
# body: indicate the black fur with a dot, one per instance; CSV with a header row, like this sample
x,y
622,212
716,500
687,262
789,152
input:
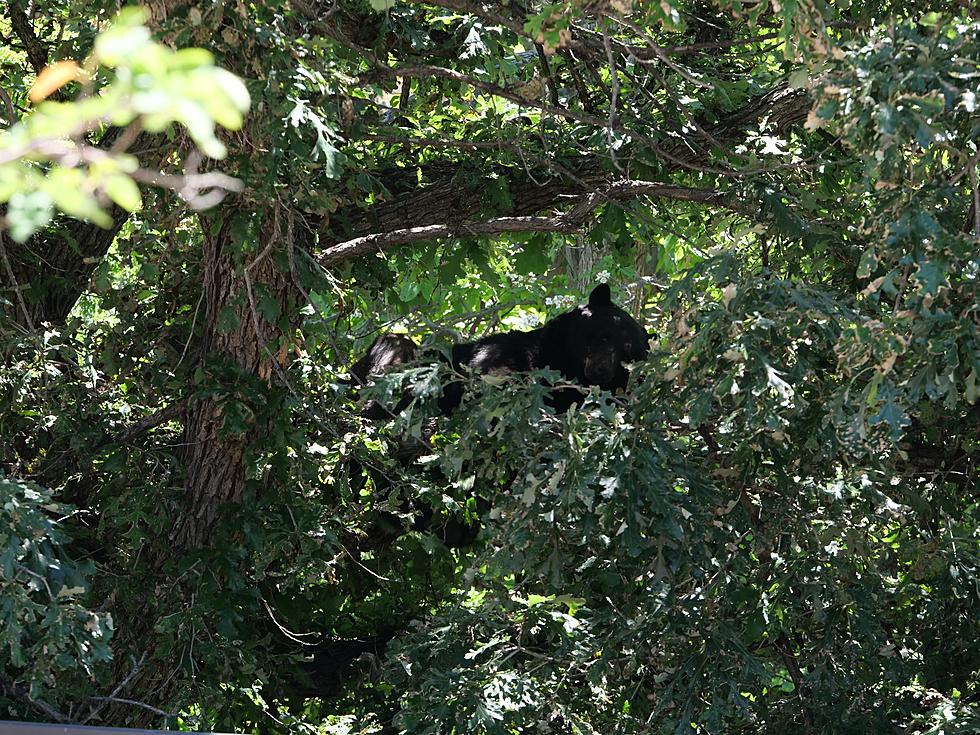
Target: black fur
x,y
589,345
387,352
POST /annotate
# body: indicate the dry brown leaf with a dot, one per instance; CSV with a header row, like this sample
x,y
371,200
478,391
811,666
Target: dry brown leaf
x,y
52,78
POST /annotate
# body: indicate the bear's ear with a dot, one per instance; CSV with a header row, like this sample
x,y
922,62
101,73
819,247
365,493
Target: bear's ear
x,y
600,296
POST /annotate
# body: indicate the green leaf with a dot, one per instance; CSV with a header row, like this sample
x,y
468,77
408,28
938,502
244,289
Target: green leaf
x,y
28,212
533,257
408,291
799,79
893,415
69,189
121,189
124,39
227,320
869,261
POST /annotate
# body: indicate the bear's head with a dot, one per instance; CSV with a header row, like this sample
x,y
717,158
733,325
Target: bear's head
x,y
592,343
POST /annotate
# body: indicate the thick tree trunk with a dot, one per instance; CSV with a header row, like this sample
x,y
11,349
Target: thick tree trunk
x,y
215,458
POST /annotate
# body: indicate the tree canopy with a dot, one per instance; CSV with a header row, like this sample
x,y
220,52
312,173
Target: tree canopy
x,y
210,210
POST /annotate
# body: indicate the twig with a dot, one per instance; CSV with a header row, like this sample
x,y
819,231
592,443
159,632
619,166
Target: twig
x,y
424,70
168,413
976,202
657,50
613,95
710,45
69,153
901,288
406,92
796,673
294,637
441,142
28,322
119,688
8,106
506,145
969,166
134,703
583,93
24,696
546,74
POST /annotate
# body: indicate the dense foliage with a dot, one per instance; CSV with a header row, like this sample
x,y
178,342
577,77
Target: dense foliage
x,y
775,529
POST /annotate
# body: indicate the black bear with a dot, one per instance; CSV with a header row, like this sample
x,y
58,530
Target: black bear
x,y
386,353
589,344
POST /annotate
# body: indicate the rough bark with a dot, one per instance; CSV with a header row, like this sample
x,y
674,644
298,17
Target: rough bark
x,y
214,457
37,54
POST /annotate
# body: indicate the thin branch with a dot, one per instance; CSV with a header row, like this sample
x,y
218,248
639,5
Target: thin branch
x,y
628,189
507,145
586,42
134,703
901,288
693,48
656,49
580,89
976,202
93,713
440,142
18,289
295,637
8,105
613,95
548,77
24,696
796,673
172,412
406,92
189,186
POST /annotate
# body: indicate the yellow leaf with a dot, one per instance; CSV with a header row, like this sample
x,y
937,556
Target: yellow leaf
x,y
52,78
813,121
888,363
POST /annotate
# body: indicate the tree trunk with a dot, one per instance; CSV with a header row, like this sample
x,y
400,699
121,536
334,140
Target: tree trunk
x,y
215,458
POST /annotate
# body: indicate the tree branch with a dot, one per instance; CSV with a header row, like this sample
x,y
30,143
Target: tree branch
x,y
570,222
383,240
174,411
21,24
23,694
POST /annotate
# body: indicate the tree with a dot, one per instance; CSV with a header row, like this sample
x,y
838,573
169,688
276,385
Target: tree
x,y
775,529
